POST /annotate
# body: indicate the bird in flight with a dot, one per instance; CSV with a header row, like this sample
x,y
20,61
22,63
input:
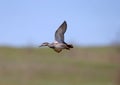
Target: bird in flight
x,y
59,44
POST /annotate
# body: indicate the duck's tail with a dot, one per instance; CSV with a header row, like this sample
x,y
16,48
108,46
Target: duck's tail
x,y
70,46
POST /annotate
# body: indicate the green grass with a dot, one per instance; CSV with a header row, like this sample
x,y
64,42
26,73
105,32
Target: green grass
x,y
80,66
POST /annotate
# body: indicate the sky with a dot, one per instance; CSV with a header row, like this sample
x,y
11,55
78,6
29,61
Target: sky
x,y
90,22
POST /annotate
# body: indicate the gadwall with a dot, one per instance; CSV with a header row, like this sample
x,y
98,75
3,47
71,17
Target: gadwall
x,y
59,43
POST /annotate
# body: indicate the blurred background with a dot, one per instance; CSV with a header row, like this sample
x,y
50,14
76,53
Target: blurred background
x,y
93,29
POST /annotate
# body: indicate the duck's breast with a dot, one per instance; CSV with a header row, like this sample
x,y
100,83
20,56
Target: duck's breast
x,y
60,45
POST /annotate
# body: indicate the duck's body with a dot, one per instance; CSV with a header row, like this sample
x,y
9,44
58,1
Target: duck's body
x,y
59,43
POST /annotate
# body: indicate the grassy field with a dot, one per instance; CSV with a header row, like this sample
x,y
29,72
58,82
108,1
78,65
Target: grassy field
x,y
42,66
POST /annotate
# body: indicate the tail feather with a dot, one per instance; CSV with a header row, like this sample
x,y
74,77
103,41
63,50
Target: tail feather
x,y
70,46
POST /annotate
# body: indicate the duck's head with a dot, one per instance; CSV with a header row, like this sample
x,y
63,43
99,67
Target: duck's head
x,y
44,44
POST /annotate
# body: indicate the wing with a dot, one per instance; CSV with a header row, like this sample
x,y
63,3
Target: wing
x,y
59,34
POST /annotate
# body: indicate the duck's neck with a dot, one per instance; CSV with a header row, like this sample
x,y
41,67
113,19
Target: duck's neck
x,y
51,45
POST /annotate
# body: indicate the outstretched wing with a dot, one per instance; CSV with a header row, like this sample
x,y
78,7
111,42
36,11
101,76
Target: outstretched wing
x,y
59,34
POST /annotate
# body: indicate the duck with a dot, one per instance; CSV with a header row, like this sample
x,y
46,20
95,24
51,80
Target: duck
x,y
59,44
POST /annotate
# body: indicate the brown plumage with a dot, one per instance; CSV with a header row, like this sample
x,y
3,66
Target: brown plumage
x,y
59,43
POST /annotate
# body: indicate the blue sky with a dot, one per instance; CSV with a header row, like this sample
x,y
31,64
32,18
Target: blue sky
x,y
90,22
